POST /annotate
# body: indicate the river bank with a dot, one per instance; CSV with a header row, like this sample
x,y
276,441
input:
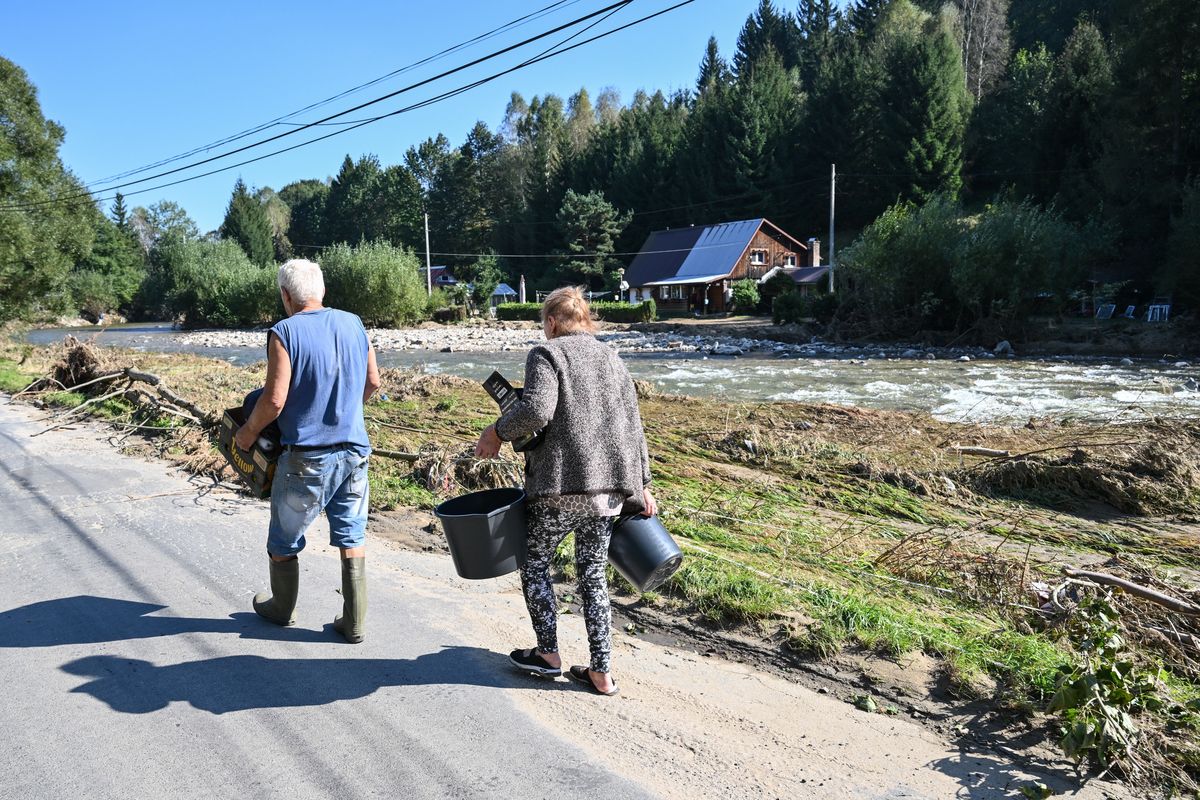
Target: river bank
x,y
955,384
828,535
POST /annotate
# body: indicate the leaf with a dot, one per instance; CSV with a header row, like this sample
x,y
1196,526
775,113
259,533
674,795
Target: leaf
x,y
1036,791
865,702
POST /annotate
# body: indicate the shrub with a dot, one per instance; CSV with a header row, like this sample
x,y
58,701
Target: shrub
x,y
377,281
450,314
516,312
788,308
771,288
214,284
645,311
745,296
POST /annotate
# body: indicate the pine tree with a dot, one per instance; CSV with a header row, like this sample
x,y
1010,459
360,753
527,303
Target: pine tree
x,y
119,214
925,112
1078,114
350,209
714,71
246,223
589,225
764,115
865,16
766,29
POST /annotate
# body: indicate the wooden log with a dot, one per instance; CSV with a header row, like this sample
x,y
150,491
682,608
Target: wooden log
x,y
1144,592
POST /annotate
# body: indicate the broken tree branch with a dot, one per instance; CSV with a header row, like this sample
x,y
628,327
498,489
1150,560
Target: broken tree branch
x,y
987,452
1135,589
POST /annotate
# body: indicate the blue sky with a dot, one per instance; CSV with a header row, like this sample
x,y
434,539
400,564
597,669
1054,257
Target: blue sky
x,y
135,82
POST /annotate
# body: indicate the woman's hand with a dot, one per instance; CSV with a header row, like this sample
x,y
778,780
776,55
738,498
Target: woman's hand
x,y
651,506
489,443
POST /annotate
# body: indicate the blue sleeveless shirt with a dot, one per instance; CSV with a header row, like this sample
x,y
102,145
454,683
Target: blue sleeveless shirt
x,y
328,350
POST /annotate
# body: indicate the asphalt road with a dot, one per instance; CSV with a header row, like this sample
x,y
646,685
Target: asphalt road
x,y
133,666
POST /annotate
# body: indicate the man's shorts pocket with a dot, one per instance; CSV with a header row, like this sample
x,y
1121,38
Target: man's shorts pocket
x,y
304,492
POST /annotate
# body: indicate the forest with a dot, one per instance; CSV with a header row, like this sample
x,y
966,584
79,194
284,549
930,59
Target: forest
x,y
993,158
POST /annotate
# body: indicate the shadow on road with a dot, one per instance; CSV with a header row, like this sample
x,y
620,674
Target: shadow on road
x,y
240,683
86,619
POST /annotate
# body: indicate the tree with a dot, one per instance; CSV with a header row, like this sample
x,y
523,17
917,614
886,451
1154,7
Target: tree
x,y
246,223
984,42
925,112
766,109
109,277
306,205
581,121
162,220
278,219
1008,129
766,29
1078,121
350,207
118,213
590,226
714,71
1180,276
41,235
485,276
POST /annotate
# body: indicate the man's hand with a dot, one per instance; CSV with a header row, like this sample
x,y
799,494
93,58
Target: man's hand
x,y
245,437
489,443
651,504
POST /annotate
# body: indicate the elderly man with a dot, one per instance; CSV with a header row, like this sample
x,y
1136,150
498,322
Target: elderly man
x,y
320,370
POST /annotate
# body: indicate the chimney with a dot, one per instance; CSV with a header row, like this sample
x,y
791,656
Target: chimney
x,y
814,252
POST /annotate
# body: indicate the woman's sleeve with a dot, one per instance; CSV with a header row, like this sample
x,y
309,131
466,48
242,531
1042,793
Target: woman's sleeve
x,y
539,399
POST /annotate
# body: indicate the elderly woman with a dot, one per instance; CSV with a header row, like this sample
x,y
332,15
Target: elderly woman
x,y
591,464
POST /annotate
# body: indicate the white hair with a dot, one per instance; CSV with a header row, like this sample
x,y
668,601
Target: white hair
x,y
302,280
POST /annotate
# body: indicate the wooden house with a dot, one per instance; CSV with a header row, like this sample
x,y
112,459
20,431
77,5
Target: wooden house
x,y
692,270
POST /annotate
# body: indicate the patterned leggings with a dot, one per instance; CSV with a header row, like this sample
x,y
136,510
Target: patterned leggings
x,y
547,528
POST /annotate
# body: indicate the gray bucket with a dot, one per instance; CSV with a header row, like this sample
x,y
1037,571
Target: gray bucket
x,y
643,552
485,531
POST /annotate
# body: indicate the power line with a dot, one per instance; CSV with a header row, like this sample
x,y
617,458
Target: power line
x,y
513,24
421,104
361,106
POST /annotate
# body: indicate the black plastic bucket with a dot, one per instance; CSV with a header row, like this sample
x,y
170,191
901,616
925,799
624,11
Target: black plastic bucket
x,y
485,531
643,552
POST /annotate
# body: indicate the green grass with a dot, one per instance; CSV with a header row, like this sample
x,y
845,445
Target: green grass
x,y
391,491
12,378
724,592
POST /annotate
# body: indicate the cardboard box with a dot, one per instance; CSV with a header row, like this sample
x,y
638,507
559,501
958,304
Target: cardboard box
x,y
256,468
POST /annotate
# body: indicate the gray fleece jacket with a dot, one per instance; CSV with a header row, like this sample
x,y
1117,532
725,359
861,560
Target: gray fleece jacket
x,y
595,442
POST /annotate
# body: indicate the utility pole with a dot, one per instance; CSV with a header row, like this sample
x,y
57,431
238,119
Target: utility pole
x,y
428,263
832,188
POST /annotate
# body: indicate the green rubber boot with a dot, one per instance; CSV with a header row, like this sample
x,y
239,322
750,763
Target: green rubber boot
x,y
350,623
280,605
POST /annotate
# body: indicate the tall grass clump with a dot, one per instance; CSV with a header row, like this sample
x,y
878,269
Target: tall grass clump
x,y
377,281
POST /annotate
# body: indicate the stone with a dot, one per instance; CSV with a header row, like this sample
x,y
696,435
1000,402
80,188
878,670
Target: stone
x,y
1003,348
964,359
911,353
1126,362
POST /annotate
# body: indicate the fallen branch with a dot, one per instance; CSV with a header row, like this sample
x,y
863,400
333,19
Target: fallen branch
x,y
396,454
986,452
1135,589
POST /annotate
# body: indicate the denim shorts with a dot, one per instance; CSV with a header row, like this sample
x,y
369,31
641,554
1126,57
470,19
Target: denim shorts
x,y
307,482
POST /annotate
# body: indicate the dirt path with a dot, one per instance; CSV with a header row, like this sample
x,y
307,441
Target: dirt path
x,y
690,725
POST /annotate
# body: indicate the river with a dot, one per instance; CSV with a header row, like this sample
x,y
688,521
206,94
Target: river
x,y
982,390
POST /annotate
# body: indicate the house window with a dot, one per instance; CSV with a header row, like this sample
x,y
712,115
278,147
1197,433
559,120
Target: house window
x,y
676,292
758,257
789,260
664,292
